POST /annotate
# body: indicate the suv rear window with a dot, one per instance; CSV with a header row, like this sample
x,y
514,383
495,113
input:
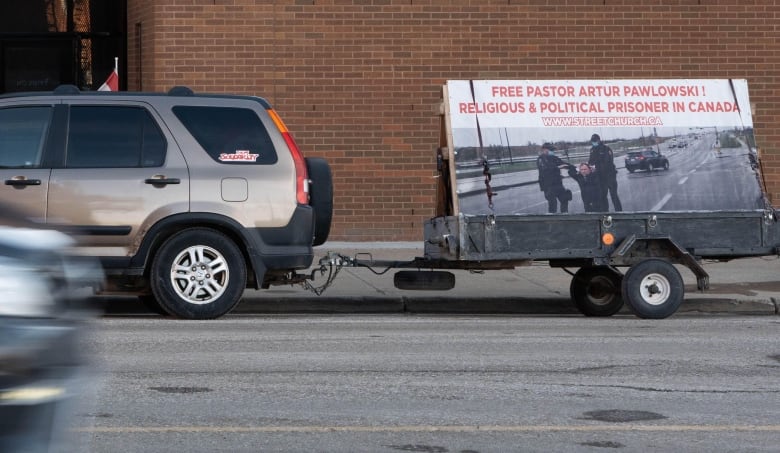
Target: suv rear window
x,y
113,137
229,135
22,134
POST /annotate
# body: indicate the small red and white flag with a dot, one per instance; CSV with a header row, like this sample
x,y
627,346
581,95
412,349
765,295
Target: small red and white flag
x,y
112,82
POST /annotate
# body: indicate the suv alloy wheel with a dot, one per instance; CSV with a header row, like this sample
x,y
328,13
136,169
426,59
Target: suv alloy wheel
x,y
198,273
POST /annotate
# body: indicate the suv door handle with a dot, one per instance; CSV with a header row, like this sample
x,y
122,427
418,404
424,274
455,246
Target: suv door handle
x,y
22,182
162,181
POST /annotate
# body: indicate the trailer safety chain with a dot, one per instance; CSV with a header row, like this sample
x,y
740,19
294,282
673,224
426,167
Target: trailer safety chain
x,y
332,264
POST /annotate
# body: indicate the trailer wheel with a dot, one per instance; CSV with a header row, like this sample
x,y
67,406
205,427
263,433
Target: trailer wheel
x,y
596,291
653,289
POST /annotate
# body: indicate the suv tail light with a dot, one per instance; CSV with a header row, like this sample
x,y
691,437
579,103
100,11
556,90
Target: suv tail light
x,y
301,177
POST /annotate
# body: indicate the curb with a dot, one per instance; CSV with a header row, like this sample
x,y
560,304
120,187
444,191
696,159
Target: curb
x,y
495,305
116,306
730,306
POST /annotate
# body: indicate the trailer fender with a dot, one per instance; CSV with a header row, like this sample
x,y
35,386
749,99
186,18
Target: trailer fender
x,y
635,249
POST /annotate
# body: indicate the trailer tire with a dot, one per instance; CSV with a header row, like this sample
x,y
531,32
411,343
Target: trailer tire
x,y
596,291
653,289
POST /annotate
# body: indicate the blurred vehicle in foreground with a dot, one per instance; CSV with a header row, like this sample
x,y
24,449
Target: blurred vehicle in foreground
x,y
42,317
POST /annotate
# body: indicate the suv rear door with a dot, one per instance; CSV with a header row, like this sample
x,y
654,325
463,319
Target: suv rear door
x,y
239,159
120,172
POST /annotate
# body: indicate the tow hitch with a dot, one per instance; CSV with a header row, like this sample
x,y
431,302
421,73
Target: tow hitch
x,y
330,264
424,278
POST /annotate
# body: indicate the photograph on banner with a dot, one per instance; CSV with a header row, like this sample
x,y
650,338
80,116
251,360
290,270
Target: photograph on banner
x,y
575,146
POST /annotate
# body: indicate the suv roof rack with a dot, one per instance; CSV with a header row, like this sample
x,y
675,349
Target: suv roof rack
x,y
180,91
67,89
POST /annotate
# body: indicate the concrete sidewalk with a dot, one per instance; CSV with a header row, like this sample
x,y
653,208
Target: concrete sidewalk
x,y
748,286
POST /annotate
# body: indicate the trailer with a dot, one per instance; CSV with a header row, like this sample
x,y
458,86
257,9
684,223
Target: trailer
x,y
499,207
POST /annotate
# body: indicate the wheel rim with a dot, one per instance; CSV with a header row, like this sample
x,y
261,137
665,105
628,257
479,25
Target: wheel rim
x,y
655,289
601,291
199,274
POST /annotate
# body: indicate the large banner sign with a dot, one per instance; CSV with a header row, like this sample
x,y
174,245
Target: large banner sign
x,y
572,146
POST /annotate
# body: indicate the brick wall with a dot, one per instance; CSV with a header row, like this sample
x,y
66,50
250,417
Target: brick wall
x,y
358,82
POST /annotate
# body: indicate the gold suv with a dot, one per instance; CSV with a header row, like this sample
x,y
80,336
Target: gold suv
x,y
186,198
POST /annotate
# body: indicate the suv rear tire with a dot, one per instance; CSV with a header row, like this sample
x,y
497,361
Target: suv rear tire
x,y
198,273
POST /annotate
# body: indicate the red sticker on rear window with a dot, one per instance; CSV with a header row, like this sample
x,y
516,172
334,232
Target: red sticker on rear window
x,y
241,155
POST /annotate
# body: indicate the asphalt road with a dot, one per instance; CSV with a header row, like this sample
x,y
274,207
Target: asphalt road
x,y
390,383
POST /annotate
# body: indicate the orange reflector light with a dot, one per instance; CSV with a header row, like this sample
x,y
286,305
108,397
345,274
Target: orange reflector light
x,y
301,174
277,121
607,238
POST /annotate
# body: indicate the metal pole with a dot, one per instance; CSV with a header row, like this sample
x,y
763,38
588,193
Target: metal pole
x,y
508,146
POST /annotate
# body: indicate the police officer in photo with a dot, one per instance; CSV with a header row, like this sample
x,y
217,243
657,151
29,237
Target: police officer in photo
x,y
550,180
603,163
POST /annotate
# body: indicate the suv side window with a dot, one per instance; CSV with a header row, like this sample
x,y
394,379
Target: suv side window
x,y
113,137
22,135
229,135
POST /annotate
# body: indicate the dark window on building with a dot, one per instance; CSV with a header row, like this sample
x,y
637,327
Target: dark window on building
x,y
229,135
22,135
46,43
113,137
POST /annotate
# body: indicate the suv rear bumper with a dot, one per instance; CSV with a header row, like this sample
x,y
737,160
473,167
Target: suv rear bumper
x,y
284,248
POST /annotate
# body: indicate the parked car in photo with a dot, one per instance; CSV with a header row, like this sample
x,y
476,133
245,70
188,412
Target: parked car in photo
x,y
647,159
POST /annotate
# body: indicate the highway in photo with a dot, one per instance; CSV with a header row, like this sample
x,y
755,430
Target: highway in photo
x,y
699,178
